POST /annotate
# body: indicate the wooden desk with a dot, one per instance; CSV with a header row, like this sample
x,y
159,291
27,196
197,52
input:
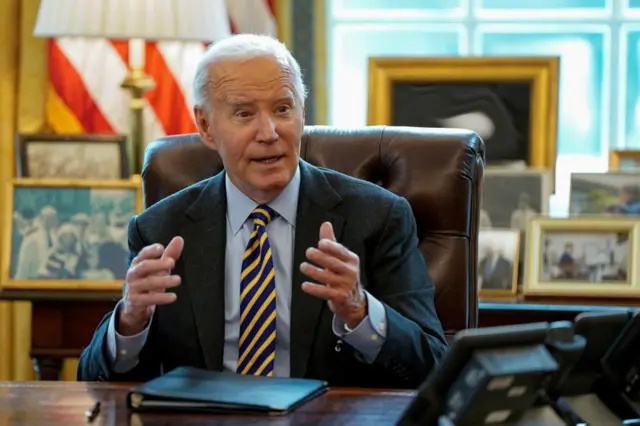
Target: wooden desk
x,y
62,324
51,403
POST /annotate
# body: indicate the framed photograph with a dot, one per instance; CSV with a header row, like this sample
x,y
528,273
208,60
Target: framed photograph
x,y
583,257
498,259
86,156
511,102
511,197
624,160
613,193
68,235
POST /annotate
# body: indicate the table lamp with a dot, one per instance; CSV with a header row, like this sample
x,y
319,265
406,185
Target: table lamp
x,y
136,21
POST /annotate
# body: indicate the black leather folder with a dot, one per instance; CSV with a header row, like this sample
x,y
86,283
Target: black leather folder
x,y
190,389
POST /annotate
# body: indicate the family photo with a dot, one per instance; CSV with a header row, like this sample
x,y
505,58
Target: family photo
x,y
614,193
66,233
595,257
498,258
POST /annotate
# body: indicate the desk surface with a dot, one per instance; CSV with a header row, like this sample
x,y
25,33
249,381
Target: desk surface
x,y
64,403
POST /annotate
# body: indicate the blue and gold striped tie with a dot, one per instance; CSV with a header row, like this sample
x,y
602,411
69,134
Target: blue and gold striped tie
x,y
257,342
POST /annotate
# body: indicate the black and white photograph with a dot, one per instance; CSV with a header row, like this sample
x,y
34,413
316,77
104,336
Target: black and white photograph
x,y
498,112
579,256
96,157
613,193
62,232
510,198
498,259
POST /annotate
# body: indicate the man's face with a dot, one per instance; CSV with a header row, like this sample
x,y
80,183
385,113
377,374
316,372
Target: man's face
x,y
255,122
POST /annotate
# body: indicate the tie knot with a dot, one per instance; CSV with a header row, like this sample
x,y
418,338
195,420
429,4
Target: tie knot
x,y
262,215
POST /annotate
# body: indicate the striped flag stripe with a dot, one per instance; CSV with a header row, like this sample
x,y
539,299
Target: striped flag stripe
x,y
102,71
71,90
85,77
182,59
59,116
167,99
122,49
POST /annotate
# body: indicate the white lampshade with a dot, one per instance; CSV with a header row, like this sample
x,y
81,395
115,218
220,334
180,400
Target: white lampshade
x,y
196,20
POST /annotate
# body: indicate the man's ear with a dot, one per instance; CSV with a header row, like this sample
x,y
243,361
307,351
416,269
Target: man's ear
x,y
202,121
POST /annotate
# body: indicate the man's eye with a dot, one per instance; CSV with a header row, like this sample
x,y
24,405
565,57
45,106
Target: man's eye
x,y
284,108
242,114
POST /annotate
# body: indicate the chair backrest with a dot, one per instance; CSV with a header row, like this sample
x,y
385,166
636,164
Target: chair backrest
x,y
439,171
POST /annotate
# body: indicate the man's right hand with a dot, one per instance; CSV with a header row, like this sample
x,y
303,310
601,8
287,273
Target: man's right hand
x,y
147,279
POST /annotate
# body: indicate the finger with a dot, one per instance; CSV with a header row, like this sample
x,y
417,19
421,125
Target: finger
x,y
330,262
142,300
153,251
337,250
154,284
174,249
320,291
326,231
149,267
324,276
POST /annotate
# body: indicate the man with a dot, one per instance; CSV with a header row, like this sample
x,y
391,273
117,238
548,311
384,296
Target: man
x,y
522,214
33,247
567,263
496,271
273,267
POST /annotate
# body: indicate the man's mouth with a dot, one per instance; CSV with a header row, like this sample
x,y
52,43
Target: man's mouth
x,y
268,160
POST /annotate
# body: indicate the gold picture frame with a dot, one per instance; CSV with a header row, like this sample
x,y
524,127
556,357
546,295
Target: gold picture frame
x,y
564,268
504,257
618,156
541,72
103,214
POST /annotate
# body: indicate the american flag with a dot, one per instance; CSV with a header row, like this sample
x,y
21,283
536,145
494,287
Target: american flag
x,y
84,94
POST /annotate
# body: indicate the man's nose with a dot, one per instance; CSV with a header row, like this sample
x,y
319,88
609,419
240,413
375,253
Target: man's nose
x,y
267,129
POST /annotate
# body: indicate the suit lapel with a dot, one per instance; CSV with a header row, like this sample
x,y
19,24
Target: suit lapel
x,y
204,257
316,200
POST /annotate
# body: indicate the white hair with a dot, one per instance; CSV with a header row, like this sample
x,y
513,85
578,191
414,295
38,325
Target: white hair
x,y
243,47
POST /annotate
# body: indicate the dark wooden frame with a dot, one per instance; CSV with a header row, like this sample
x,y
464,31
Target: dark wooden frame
x,y
23,140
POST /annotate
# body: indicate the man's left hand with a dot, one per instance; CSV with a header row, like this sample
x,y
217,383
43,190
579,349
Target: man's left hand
x,y
338,273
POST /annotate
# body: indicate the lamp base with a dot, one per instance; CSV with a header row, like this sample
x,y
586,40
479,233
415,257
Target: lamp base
x,y
137,82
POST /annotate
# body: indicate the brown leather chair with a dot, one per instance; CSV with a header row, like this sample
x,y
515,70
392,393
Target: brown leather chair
x,y
439,171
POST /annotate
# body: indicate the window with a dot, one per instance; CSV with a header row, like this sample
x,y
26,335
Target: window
x,y
597,41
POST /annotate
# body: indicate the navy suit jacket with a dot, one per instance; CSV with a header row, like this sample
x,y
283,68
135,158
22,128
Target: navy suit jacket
x,y
372,222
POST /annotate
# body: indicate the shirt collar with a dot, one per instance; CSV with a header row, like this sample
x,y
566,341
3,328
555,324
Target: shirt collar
x,y
239,206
